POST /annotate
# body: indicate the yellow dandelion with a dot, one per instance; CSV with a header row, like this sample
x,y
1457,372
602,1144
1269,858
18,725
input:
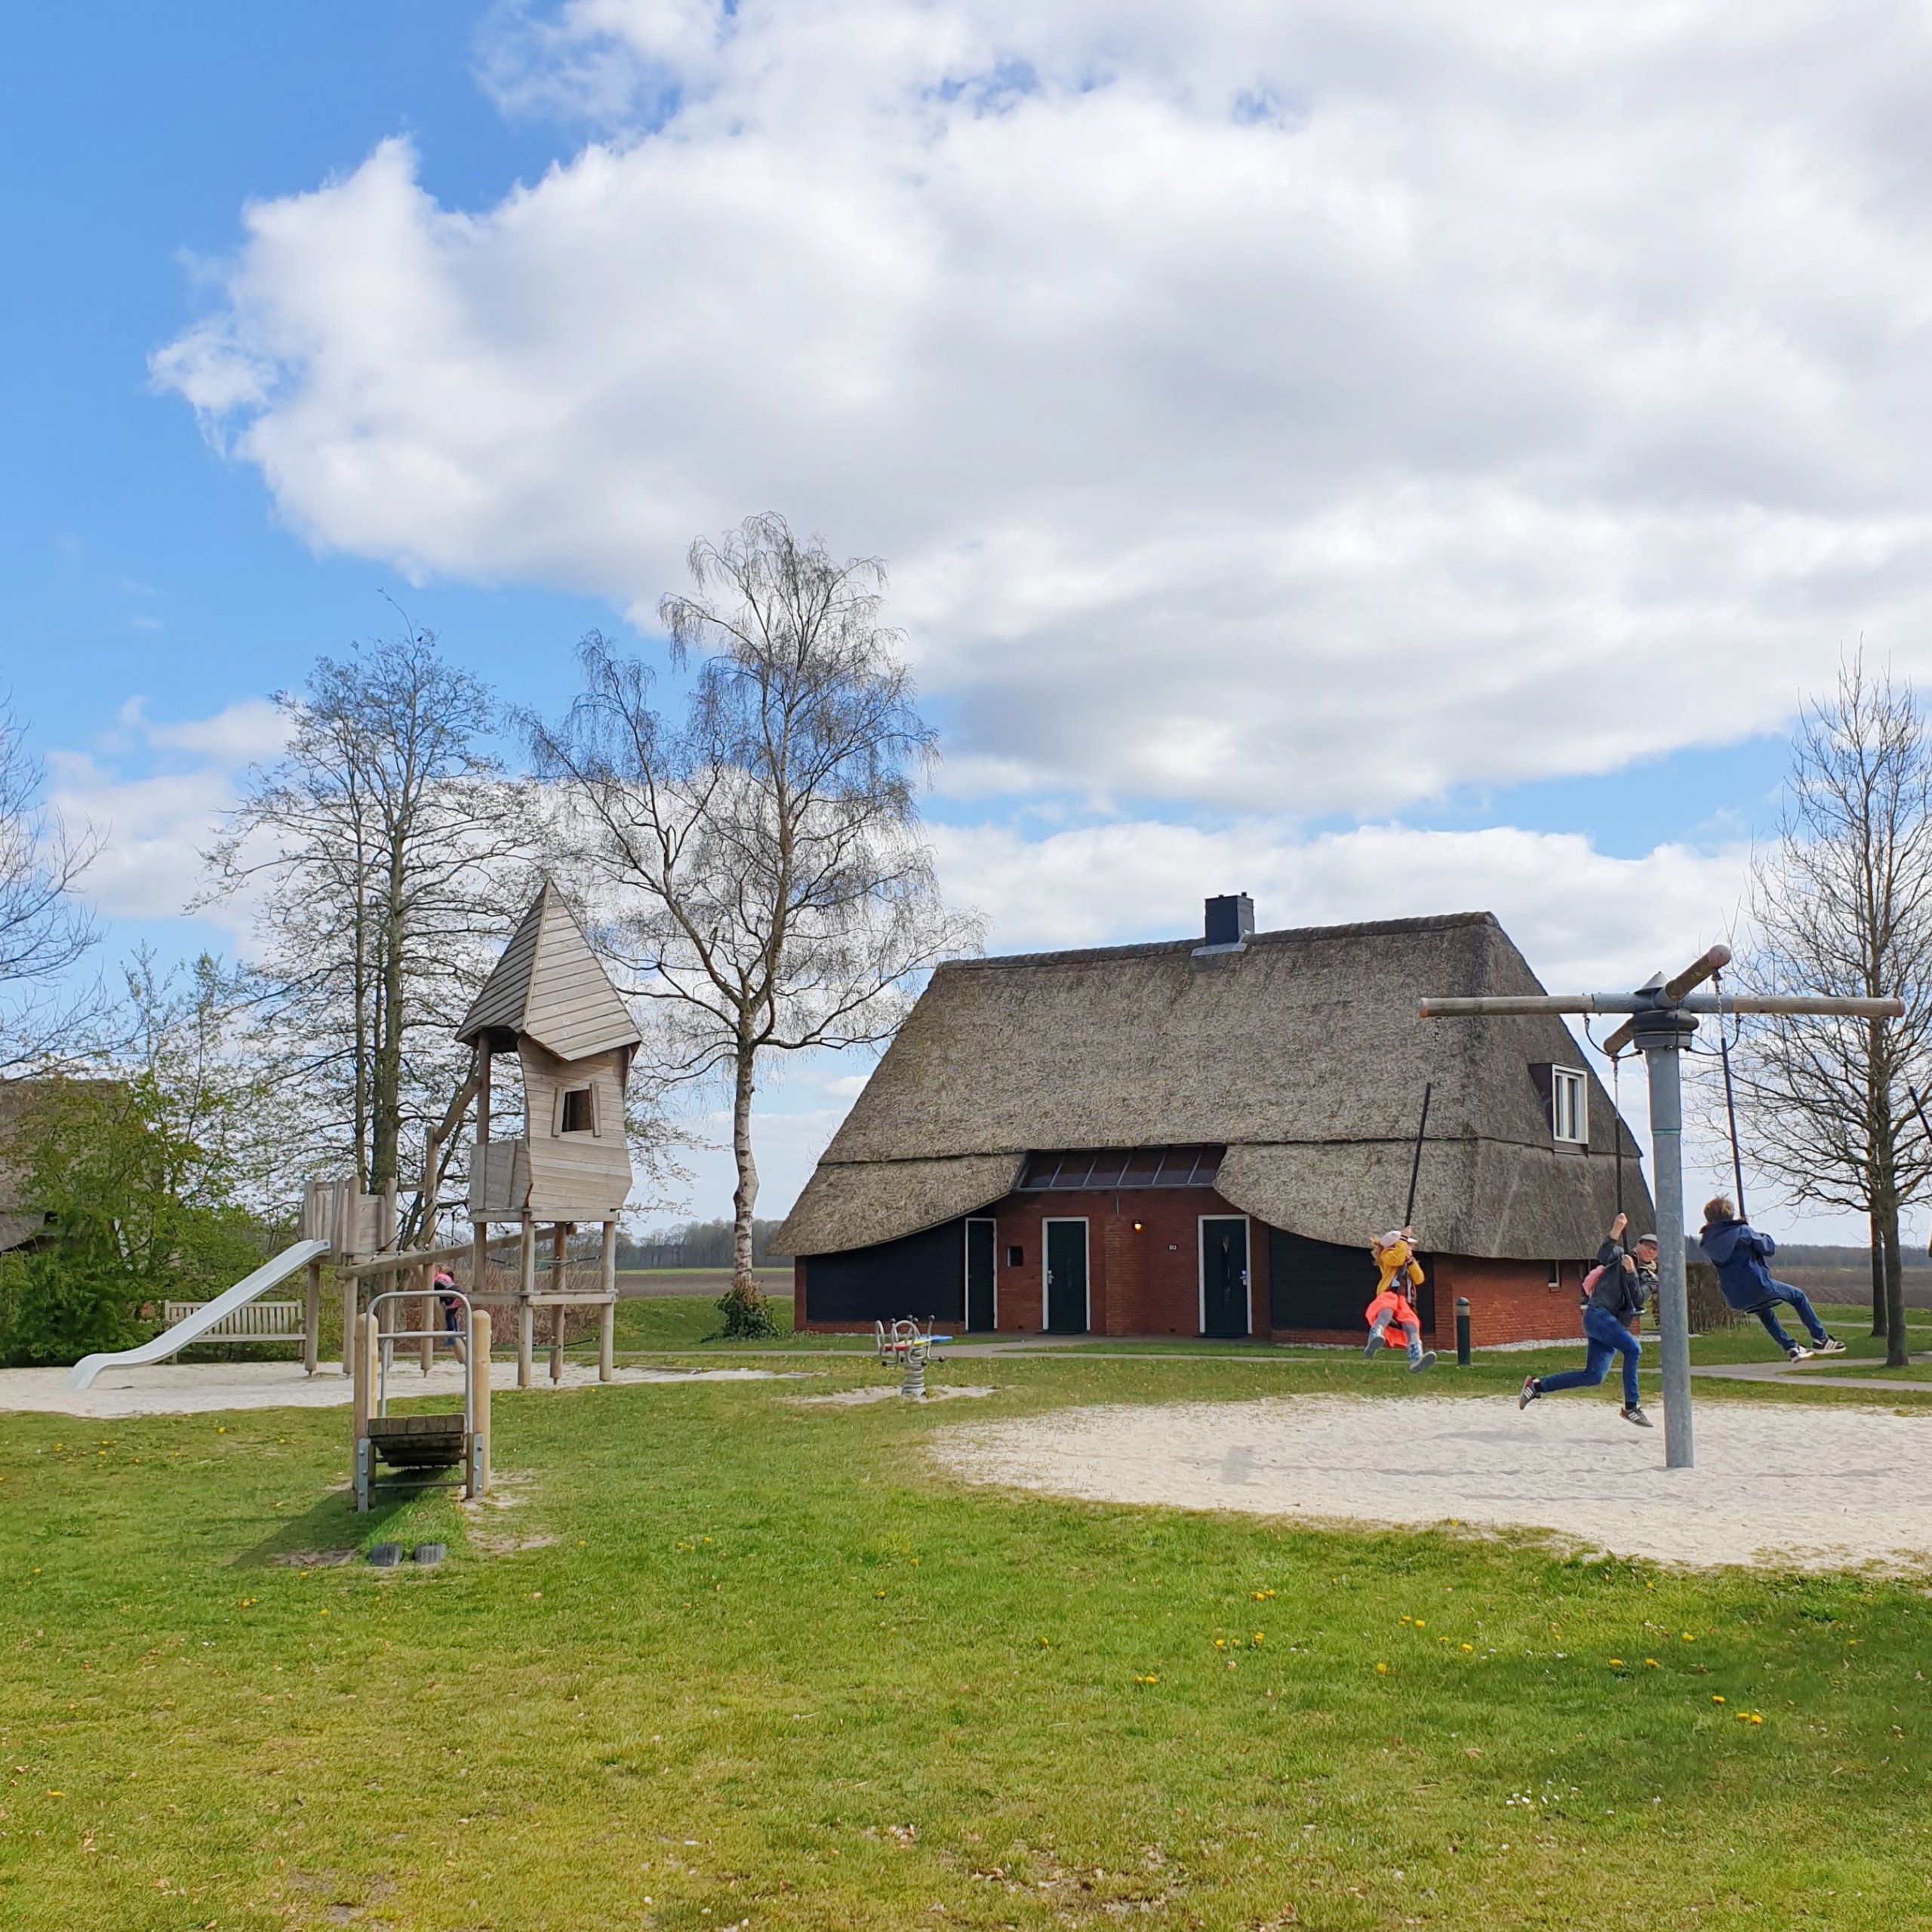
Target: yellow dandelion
x,y
1257,1637
1382,1670
1468,1647
1757,1718
1045,1645
1422,1623
1617,1664
1715,1698
1649,1663
1221,1643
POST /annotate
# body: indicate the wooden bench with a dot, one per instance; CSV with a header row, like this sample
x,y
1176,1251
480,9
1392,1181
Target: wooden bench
x,y
253,1321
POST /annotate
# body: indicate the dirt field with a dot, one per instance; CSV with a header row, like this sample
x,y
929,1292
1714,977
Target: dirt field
x,y
1810,1488
776,1282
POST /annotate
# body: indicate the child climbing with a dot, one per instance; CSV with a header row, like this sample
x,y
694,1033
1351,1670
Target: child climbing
x,y
444,1282
1394,1257
1610,1316
1739,1252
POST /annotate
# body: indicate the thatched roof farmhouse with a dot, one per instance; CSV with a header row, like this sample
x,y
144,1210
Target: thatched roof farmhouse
x,y
1199,1136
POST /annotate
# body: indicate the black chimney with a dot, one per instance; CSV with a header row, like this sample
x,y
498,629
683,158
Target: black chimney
x,y
1230,919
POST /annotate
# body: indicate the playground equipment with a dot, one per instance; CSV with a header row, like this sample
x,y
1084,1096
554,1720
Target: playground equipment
x,y
903,1345
1664,1017
205,1316
549,1002
415,1444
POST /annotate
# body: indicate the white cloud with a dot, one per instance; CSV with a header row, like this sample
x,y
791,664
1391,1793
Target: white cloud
x,y
1290,408
1584,920
156,791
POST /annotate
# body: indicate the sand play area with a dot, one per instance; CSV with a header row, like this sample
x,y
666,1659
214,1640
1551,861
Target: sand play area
x,y
1775,1483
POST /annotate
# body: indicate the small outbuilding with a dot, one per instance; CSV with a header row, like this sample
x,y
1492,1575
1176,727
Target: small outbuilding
x,y
1198,1137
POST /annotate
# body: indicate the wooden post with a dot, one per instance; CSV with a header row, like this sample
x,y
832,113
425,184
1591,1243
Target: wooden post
x,y
479,1403
479,1174
311,1317
606,1341
352,1297
559,1281
362,1368
526,1287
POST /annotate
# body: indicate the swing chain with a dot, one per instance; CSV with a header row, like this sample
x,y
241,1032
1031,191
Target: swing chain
x,y
1730,1096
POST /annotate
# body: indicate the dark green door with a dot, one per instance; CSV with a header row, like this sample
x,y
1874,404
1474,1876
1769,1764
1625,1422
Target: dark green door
x,y
1067,1278
1224,1277
979,1275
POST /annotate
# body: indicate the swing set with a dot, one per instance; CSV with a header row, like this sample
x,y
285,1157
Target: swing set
x,y
1662,1017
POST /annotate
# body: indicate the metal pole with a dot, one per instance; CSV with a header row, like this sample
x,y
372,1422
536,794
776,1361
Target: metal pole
x,y
1660,1046
1461,1331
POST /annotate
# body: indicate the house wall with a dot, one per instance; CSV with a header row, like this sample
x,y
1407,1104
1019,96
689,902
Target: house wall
x,y
575,1177
1145,1279
1509,1301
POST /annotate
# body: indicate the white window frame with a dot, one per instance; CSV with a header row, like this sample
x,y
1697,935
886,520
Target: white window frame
x,y
1573,1083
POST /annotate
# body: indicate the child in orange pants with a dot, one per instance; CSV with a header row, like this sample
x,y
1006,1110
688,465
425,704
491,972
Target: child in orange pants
x,y
1394,1257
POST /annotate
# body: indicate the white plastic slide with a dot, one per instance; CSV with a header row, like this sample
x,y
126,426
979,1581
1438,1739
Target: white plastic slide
x,y
81,1375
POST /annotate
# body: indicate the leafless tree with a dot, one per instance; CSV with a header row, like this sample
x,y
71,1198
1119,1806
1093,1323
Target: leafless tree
x,y
760,860
392,852
44,928
1842,904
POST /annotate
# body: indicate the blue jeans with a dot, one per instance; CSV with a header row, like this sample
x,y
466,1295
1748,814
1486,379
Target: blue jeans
x,y
1604,1337
1791,1298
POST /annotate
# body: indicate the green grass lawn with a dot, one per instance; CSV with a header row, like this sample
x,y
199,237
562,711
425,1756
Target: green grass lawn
x,y
726,1661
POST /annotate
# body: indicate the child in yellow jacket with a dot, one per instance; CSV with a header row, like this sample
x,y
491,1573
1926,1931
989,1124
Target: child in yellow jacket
x,y
1394,1257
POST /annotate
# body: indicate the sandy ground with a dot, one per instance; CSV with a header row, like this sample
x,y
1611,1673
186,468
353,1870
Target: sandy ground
x,y
1811,1488
197,1388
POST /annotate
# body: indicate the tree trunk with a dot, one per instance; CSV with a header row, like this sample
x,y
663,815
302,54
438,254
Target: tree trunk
x,y
744,1197
386,1161
744,1309
1878,1275
1895,1336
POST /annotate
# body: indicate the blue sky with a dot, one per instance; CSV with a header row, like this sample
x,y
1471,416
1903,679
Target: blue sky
x,y
1356,459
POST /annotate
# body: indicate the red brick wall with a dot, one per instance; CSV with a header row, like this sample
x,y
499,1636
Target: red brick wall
x,y
1509,1301
1143,1279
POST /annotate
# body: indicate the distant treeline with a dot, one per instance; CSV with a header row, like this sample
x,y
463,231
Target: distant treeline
x,y
1802,1254
698,1244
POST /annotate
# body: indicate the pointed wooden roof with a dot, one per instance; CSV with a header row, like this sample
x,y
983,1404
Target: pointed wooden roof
x,y
548,987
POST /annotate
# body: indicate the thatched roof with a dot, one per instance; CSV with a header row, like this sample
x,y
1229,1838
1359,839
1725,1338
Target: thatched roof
x,y
548,987
1303,1055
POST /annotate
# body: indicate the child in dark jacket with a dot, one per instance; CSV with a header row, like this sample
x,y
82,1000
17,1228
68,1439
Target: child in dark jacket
x,y
1739,1252
1610,1319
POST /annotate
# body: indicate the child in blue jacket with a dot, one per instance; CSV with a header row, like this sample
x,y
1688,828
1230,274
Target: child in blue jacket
x,y
1739,1252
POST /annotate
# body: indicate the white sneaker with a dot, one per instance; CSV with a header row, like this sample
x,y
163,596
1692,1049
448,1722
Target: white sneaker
x,y
1830,1346
1798,1353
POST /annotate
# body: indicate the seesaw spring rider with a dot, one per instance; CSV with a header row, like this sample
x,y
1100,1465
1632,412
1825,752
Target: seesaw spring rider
x,y
1394,1257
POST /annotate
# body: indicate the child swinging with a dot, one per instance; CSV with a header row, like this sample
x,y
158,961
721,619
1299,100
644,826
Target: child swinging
x,y
1394,1254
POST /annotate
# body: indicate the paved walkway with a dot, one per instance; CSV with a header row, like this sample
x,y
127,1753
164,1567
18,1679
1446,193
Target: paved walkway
x,y
201,1388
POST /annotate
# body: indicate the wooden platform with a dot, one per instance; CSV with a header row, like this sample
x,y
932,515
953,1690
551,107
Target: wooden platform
x,y
419,1442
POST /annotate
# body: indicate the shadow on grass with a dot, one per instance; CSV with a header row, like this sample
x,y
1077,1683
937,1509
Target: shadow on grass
x,y
330,1533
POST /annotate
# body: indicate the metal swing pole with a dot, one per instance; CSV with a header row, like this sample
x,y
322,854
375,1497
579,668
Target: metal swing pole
x,y
1664,1017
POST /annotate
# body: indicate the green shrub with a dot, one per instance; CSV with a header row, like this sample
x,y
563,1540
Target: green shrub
x,y
56,1306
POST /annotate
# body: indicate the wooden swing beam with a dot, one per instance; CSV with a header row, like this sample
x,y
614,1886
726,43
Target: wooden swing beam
x,y
1663,1015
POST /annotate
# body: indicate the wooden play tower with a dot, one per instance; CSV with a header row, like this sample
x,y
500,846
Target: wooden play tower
x,y
549,1002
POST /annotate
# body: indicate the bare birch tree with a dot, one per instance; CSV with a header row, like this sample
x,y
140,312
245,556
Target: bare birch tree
x,y
759,860
1842,904
44,928
393,854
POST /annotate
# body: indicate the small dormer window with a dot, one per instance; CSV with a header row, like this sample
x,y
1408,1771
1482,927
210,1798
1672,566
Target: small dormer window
x,y
1569,1106
577,1110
